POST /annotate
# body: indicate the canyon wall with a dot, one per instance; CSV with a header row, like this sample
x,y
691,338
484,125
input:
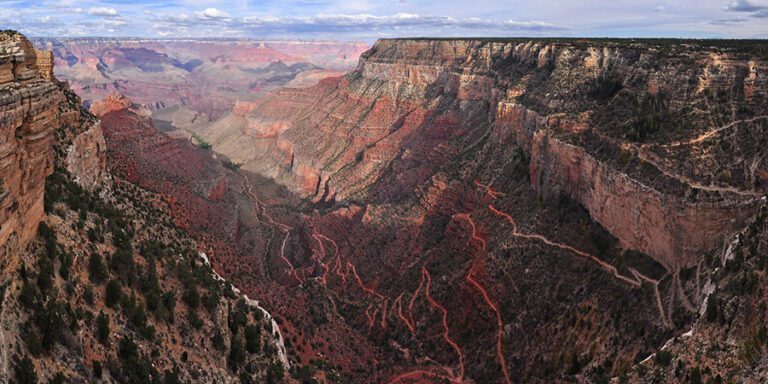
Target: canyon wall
x,y
32,107
28,110
573,106
673,229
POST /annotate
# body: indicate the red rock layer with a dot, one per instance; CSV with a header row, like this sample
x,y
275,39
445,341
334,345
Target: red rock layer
x,y
28,111
32,108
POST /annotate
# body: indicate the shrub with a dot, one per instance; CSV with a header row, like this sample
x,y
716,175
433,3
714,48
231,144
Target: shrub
x,y
59,378
191,297
252,338
51,322
194,320
605,85
275,373
123,265
135,369
113,292
172,377
663,358
96,268
34,345
236,354
25,371
97,370
102,328
651,115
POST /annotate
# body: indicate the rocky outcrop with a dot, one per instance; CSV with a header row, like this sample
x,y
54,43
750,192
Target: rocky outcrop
x,y
35,112
86,157
44,62
27,120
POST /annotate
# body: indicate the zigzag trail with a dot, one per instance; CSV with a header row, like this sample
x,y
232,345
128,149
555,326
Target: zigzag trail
x,y
649,157
637,277
383,303
499,323
446,333
262,211
335,266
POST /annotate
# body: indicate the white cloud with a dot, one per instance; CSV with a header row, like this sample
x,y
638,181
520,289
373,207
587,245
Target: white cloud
x,y
103,11
213,13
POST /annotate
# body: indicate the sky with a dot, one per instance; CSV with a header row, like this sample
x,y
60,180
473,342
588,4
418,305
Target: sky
x,y
367,20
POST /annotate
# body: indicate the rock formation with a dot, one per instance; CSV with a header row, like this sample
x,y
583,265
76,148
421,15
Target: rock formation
x,y
28,107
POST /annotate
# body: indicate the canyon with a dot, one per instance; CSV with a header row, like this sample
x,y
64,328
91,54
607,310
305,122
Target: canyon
x,y
450,210
193,82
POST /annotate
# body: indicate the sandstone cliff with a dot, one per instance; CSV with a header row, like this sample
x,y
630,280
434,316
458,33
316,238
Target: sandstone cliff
x,y
28,108
36,112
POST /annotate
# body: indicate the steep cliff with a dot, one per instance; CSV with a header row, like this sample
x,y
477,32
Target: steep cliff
x,y
28,106
37,111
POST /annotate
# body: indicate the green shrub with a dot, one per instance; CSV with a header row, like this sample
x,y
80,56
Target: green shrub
x,y
663,358
252,338
651,115
25,371
59,378
113,293
97,369
605,85
96,268
102,328
236,356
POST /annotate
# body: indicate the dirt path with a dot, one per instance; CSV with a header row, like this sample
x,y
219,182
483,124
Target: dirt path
x,y
714,132
636,280
650,158
459,377
261,209
484,293
659,303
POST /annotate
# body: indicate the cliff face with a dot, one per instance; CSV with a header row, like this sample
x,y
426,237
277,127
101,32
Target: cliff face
x,y
28,108
676,230
37,112
579,109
